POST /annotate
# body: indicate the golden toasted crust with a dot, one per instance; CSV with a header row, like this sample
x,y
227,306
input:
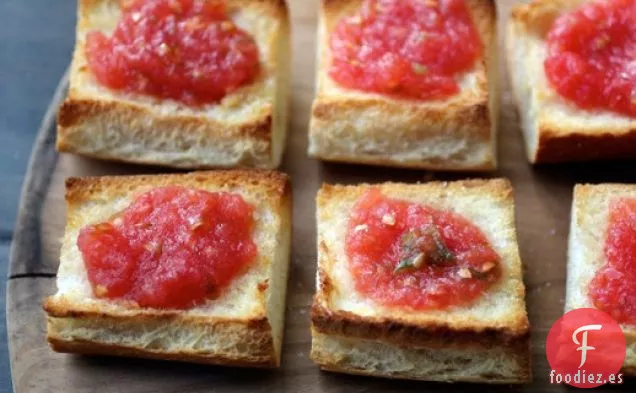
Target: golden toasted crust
x,y
499,319
404,334
454,134
554,146
588,228
495,364
93,348
274,187
243,326
76,115
255,333
555,129
247,128
537,16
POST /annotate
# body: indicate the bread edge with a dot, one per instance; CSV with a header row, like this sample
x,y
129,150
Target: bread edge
x,y
345,363
579,194
263,136
264,356
554,142
480,113
405,334
258,327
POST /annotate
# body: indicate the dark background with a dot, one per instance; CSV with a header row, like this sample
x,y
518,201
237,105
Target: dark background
x,y
36,41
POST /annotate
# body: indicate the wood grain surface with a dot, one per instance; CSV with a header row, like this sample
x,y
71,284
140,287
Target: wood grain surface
x,y
543,197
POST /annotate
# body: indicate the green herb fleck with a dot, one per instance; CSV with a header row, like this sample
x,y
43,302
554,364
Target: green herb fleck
x,y
423,246
412,262
419,69
420,36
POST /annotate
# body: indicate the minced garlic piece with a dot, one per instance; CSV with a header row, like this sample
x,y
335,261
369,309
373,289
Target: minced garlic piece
x,y
388,219
361,227
464,273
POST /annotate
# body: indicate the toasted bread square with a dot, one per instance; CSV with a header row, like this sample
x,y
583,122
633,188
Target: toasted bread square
x,y
487,341
588,229
242,327
457,133
246,129
556,130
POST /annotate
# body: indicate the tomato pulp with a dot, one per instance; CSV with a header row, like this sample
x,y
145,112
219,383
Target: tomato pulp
x,y
186,50
406,254
173,247
591,57
406,48
613,288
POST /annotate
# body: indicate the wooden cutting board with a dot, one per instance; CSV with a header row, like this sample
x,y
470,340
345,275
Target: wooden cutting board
x,y
543,197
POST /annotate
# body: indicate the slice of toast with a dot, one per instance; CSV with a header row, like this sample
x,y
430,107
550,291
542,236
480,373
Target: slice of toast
x,y
242,327
486,341
457,133
588,228
554,129
245,129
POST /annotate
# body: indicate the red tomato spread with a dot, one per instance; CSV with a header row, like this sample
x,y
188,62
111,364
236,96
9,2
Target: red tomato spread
x,y
406,254
171,248
186,50
591,57
613,289
406,48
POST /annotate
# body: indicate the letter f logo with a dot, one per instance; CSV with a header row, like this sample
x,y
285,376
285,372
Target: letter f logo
x,y
583,346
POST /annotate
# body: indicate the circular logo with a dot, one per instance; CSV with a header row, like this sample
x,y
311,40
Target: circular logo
x,y
585,349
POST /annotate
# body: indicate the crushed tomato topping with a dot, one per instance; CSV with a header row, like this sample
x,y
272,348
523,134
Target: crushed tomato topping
x,y
186,50
591,58
412,255
173,247
613,288
411,49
